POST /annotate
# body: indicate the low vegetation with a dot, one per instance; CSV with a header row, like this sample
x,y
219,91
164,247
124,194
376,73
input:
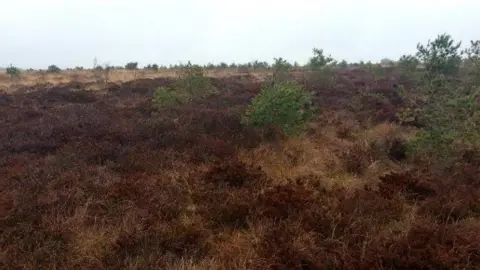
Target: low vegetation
x,y
191,171
285,106
191,84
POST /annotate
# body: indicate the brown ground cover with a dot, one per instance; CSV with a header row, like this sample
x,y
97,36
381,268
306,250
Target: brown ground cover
x,y
98,179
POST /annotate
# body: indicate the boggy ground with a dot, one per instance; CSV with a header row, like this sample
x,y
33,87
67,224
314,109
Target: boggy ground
x,y
93,180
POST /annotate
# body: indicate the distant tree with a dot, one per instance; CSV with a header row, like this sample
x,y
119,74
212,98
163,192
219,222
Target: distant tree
x,y
441,56
53,69
133,66
223,65
281,71
260,65
153,67
408,63
343,64
473,53
319,60
233,65
79,68
281,64
210,66
13,71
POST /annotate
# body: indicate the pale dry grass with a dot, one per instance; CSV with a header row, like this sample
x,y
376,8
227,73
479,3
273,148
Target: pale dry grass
x,y
319,156
31,78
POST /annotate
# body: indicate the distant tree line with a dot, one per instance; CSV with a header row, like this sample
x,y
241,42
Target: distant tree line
x,y
318,60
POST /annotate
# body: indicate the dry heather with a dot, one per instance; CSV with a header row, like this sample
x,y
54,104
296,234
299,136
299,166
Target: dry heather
x,y
95,80
97,180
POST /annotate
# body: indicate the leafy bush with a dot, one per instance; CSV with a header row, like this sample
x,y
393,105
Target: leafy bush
x,y
13,71
53,69
285,106
190,85
164,96
193,81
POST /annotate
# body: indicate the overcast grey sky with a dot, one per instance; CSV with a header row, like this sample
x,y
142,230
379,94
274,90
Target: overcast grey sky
x,y
38,33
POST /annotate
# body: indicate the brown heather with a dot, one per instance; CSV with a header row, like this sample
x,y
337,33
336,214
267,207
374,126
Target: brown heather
x,y
94,179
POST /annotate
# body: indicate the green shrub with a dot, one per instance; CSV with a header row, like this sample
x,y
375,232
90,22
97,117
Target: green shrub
x,y
285,106
164,96
13,71
450,113
191,84
281,70
319,60
441,56
408,63
193,81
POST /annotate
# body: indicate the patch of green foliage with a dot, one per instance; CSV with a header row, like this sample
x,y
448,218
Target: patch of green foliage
x,y
441,57
192,80
286,106
164,96
191,84
319,60
281,70
13,71
408,63
343,64
450,113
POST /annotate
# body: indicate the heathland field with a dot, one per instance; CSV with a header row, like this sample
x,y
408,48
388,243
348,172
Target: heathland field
x,y
323,166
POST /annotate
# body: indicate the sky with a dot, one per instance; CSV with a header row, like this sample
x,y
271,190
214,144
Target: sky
x,y
69,33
